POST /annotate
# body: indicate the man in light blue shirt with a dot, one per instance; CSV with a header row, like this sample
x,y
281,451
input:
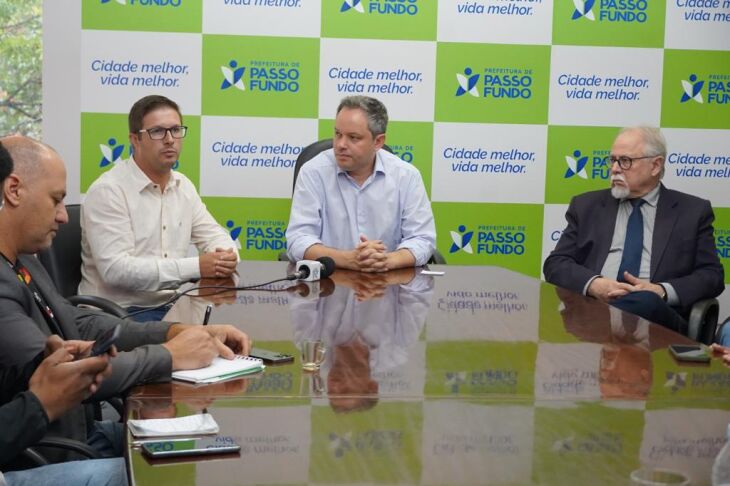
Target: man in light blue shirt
x,y
360,205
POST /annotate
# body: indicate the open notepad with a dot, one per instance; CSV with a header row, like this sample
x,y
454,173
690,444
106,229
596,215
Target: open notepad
x,y
221,369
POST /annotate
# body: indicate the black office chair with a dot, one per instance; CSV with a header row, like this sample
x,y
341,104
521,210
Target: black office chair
x,y
308,153
33,457
703,321
62,261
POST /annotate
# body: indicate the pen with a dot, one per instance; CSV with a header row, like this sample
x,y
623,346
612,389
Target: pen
x,y
208,310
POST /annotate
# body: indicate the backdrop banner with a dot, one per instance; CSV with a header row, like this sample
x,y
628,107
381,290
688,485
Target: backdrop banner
x,y
508,108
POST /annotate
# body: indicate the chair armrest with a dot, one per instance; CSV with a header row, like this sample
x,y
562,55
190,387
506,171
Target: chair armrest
x,y
80,448
703,321
437,258
101,303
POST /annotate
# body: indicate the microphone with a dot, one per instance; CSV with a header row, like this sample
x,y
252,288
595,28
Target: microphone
x,y
310,270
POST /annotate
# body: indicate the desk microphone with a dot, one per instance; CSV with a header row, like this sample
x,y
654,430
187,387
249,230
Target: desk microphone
x,y
310,270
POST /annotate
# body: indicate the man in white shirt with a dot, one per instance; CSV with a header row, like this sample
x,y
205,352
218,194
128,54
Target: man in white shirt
x,y
139,219
362,206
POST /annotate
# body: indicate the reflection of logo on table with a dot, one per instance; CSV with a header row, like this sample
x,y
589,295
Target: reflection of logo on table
x,y
340,444
455,379
676,381
562,446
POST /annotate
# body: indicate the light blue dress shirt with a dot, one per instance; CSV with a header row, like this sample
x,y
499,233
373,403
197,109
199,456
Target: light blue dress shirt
x,y
330,208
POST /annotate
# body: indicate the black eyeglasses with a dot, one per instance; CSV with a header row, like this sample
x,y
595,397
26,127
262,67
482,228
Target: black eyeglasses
x,y
158,133
625,162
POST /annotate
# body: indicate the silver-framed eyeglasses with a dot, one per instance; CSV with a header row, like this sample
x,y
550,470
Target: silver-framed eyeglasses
x,y
625,162
158,133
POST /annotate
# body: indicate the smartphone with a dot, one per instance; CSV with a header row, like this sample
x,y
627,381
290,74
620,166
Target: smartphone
x,y
690,352
271,357
190,447
106,340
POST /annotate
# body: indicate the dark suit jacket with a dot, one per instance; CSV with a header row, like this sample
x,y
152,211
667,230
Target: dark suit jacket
x,y
683,250
22,417
24,330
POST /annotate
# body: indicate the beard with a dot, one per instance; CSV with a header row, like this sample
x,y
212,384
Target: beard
x,y
619,191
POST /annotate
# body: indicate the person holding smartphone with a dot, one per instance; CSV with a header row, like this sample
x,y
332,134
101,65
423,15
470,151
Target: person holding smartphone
x,y
31,308
37,393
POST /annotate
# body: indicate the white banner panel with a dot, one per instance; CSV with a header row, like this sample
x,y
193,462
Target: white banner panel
x,y
553,224
489,163
495,21
252,156
465,443
118,68
698,162
684,440
697,24
506,310
408,378
271,439
605,86
399,73
290,18
567,371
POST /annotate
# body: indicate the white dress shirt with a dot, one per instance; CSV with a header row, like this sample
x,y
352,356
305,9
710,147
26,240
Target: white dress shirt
x,y
135,238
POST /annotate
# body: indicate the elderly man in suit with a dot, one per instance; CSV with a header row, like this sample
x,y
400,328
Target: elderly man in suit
x,y
639,246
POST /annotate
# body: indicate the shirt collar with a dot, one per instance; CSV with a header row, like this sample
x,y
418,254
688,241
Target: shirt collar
x,y
379,166
651,198
140,181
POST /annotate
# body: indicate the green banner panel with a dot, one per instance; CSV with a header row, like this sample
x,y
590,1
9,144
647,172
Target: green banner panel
x,y
143,15
379,19
257,225
260,76
505,235
105,141
492,83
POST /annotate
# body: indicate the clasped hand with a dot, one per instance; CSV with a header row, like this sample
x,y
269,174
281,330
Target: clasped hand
x,y
218,264
371,255
606,289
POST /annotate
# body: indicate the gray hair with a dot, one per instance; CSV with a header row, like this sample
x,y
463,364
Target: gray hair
x,y
654,142
374,109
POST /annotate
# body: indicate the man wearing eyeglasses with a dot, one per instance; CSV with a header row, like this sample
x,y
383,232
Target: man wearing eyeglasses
x,y
639,246
139,219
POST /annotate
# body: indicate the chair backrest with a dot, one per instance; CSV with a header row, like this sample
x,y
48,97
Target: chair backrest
x,y
62,260
310,151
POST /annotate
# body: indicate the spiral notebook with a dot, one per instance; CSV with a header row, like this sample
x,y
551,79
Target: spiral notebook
x,y
221,369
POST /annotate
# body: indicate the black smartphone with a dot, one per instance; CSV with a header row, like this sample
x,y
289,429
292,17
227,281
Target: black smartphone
x,y
106,340
190,447
270,357
696,353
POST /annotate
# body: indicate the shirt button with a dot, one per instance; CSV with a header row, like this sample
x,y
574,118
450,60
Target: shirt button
x,y
164,228
165,255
